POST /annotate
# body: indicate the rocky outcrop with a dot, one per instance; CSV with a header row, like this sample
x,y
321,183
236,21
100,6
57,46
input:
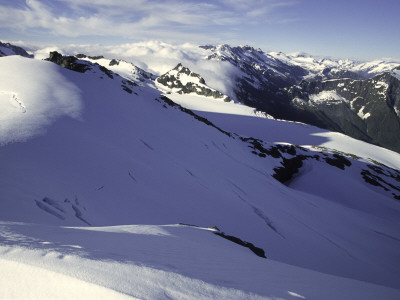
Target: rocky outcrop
x,y
68,62
183,81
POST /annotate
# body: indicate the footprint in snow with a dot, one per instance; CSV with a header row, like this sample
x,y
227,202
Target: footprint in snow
x,y
13,99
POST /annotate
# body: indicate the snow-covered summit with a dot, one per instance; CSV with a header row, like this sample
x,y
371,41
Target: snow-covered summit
x,y
376,67
125,69
336,68
255,63
323,67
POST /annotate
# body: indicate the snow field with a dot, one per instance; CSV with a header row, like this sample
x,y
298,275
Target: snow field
x,y
120,158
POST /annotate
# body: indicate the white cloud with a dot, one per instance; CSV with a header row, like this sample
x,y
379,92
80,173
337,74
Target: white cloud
x,y
155,57
173,20
159,57
43,53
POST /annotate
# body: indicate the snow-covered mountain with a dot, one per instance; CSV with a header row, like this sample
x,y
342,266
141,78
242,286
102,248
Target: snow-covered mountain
x,y
297,66
277,83
266,81
9,49
367,109
183,81
124,187
329,68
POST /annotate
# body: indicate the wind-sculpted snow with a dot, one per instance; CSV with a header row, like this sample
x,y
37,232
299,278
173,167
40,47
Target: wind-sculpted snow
x,y
155,262
32,96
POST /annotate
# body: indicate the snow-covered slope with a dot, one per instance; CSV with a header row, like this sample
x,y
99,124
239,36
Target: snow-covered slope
x,y
27,109
249,122
154,262
135,157
123,68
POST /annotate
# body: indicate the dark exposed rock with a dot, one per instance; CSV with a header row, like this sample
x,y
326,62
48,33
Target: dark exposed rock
x,y
207,47
372,179
256,250
68,62
114,62
338,161
96,57
127,85
106,71
126,89
90,57
261,150
289,168
173,81
72,63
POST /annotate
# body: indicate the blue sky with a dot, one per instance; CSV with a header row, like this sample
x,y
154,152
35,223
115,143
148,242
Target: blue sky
x,y
363,29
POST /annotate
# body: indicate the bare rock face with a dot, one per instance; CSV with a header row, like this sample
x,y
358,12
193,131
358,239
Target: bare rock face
x,y
366,109
68,62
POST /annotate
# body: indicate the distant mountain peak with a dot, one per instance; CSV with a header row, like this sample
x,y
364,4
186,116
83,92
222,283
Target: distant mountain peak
x,y
9,49
124,68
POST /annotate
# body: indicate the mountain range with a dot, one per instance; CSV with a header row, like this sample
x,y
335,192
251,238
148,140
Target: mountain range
x,y
361,100
120,183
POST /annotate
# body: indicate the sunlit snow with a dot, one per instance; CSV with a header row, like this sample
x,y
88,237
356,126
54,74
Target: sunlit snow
x,y
33,94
